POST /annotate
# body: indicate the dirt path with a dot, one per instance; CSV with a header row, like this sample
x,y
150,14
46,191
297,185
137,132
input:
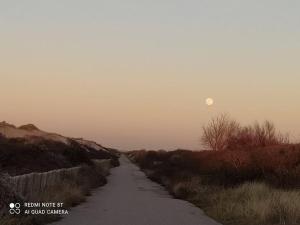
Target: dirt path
x,y
130,198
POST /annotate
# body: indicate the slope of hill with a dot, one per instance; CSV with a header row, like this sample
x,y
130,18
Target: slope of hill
x,y
29,132
28,149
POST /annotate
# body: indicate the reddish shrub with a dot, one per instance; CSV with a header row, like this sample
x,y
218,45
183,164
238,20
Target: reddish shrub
x,y
276,165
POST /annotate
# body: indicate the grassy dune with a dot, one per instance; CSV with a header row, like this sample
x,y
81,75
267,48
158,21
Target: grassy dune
x,y
258,187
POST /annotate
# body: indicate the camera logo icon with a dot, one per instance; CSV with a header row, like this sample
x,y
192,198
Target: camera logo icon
x,y
14,208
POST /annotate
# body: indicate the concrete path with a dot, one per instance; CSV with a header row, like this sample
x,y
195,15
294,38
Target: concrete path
x,y
130,198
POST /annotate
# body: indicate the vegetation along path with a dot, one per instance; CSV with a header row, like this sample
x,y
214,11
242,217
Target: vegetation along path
x,y
130,198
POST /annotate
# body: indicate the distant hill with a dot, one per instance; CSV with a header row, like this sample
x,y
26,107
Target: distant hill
x,y
28,149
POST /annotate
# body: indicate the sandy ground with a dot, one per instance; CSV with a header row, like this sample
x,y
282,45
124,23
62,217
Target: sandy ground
x,y
130,198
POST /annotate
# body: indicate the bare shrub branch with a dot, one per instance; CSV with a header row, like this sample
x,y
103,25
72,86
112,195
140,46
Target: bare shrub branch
x,y
218,131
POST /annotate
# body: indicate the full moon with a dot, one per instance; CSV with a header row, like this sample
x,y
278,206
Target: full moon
x,y
209,101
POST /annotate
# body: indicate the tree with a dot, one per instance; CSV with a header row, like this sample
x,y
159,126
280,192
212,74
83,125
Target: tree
x,y
218,131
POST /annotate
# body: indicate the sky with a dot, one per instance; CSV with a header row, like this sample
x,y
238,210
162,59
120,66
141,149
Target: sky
x,y
135,74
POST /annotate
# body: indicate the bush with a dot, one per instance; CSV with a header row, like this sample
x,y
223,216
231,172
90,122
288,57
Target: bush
x,y
218,182
186,189
257,135
222,133
218,132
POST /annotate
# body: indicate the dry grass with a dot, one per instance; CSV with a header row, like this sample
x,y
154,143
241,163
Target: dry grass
x,y
67,186
247,204
70,194
67,192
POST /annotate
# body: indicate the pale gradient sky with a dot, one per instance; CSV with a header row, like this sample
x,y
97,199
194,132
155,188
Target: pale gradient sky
x,y
135,74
